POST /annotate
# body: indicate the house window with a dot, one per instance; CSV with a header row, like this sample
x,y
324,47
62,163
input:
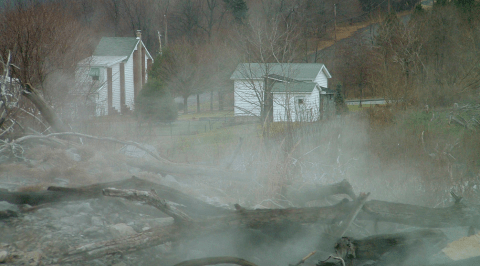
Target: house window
x,y
300,101
94,73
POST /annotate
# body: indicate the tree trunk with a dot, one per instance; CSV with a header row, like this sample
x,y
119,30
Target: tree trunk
x,y
198,103
220,100
264,218
211,100
47,112
241,218
60,194
185,104
458,214
401,249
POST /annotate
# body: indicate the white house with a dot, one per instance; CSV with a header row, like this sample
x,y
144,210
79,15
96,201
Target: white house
x,y
296,92
115,73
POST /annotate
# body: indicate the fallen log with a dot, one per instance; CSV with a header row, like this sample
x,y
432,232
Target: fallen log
x,y
258,219
467,262
341,224
193,205
459,214
151,198
339,229
255,219
61,194
409,248
215,260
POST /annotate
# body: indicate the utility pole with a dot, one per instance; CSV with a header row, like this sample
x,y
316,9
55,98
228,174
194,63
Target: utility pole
x,y
166,29
160,41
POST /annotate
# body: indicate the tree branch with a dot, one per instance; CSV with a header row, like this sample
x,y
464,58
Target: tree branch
x,y
214,261
151,198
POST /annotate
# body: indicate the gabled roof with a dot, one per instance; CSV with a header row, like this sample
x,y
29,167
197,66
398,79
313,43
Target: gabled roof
x,y
118,46
104,61
115,46
298,71
280,78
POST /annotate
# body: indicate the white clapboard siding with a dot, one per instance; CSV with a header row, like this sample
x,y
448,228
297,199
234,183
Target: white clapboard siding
x,y
321,79
285,108
315,104
146,67
129,88
281,107
246,97
101,104
116,87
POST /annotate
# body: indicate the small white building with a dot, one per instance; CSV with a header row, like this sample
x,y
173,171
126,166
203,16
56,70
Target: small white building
x,y
112,77
296,92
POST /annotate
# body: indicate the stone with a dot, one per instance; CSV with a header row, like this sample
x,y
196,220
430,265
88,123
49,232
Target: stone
x,y
121,230
61,181
78,208
51,212
7,206
3,256
97,221
163,221
92,231
33,257
72,154
21,244
79,219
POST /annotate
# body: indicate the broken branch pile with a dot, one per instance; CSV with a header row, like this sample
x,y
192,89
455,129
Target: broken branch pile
x,y
194,218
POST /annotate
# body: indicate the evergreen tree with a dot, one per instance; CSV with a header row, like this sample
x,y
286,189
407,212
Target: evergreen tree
x,y
155,103
340,105
238,8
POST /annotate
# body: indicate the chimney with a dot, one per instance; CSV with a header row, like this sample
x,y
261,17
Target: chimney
x,y
138,66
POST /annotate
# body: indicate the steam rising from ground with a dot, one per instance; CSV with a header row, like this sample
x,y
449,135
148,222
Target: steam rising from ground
x,y
317,153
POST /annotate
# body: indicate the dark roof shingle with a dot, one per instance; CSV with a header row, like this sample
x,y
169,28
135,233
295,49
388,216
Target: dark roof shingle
x,y
298,71
116,46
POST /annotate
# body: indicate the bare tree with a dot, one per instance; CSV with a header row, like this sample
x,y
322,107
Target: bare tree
x,y
182,67
44,40
262,44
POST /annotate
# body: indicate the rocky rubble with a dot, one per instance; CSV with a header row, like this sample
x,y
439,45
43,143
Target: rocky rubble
x,y
38,237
